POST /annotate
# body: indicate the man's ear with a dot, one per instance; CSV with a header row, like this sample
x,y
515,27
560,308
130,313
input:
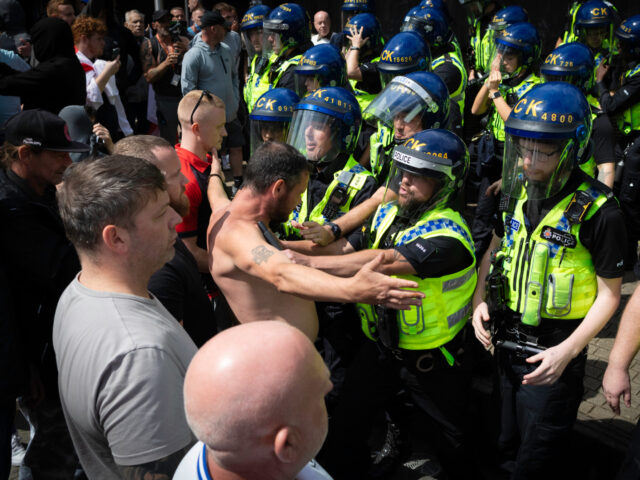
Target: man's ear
x,y
116,239
286,445
279,188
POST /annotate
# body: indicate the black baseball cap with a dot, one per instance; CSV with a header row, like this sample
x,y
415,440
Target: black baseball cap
x,y
160,14
41,129
210,18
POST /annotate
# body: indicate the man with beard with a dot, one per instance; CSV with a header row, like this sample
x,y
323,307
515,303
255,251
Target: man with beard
x,y
423,350
261,283
177,284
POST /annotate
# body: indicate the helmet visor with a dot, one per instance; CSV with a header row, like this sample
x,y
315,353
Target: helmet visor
x,y
402,99
267,131
272,37
306,84
537,167
252,40
507,59
315,135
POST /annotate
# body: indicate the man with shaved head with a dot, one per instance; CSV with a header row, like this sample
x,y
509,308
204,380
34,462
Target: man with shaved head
x,y
322,24
254,397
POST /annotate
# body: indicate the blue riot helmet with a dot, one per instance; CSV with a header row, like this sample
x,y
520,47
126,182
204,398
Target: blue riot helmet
x,y
351,8
438,5
418,99
251,29
430,23
286,26
546,135
628,34
370,29
572,63
406,52
434,153
325,123
517,49
594,23
508,16
271,116
320,66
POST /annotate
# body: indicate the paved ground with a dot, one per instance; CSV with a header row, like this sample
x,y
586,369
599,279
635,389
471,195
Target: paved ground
x,y
595,417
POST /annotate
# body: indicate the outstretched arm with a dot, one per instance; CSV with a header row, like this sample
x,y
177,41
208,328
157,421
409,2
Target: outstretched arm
x,y
252,254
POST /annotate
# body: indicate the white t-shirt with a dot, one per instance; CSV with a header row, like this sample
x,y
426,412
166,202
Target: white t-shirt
x,y
194,467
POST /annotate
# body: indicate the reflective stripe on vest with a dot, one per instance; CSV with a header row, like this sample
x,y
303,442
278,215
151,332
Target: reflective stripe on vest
x,y
547,280
447,304
485,53
496,124
629,120
378,143
458,95
353,173
263,85
248,92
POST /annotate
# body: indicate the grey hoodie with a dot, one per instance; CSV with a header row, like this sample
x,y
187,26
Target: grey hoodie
x,y
214,71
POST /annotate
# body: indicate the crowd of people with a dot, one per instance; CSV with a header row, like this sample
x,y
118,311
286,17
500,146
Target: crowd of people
x,y
262,247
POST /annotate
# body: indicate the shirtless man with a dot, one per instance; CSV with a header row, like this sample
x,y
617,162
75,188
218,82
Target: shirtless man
x,y
262,284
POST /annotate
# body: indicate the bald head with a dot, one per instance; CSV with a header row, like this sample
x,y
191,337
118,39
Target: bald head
x,y
254,394
322,23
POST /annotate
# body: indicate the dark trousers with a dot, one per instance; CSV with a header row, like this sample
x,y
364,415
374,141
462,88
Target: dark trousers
x,y
630,198
536,421
439,391
167,113
50,453
631,466
489,170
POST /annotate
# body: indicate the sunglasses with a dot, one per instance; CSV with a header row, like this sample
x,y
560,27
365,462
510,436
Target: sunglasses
x,y
204,93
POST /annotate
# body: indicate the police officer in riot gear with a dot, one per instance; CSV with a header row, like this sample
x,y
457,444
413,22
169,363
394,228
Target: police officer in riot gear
x,y
447,61
325,128
251,31
624,109
512,74
553,279
271,116
364,43
285,37
407,105
320,66
573,63
422,350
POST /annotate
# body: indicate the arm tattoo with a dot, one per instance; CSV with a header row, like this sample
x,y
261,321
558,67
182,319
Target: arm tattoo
x,y
146,55
261,254
162,469
398,257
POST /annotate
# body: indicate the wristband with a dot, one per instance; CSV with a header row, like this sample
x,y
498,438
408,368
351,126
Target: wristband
x,y
495,95
216,175
335,230
354,48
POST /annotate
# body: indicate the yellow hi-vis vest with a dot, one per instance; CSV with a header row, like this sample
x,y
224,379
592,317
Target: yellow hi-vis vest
x,y
249,87
496,124
550,272
447,304
629,120
457,95
379,141
352,177
262,84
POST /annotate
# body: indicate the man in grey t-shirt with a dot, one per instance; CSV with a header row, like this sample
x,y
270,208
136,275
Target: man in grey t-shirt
x,y
121,357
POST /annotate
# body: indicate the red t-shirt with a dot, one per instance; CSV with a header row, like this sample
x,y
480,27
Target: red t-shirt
x,y
197,172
